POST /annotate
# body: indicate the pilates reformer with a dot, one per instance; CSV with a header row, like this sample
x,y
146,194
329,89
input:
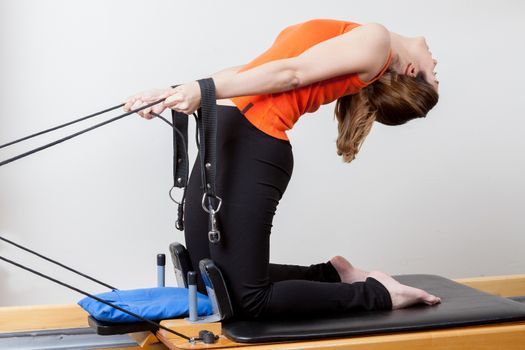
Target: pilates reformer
x,y
482,319
463,307
473,318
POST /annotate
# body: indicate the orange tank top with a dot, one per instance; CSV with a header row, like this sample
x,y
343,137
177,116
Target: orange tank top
x,y
277,112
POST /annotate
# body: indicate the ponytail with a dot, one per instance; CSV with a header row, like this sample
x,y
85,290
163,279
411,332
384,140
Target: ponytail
x,y
393,99
355,117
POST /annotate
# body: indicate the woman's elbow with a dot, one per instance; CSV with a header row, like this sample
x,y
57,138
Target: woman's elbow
x,y
287,77
293,80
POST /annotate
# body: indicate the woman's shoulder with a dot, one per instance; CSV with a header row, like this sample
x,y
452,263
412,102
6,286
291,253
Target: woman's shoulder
x,y
320,25
326,22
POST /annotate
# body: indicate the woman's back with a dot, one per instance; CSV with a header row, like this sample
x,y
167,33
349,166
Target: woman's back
x,y
275,113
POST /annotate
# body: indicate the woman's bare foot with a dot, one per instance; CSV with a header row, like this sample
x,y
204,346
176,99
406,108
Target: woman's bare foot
x,y
402,295
347,272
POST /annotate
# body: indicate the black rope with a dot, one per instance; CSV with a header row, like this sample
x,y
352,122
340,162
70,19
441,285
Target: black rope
x,y
156,324
163,119
60,126
71,123
56,263
38,149
79,120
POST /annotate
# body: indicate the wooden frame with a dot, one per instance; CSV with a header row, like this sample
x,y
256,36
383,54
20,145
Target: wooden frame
x,y
502,336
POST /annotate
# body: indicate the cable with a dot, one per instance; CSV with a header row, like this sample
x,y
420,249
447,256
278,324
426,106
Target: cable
x,y
57,263
38,149
94,297
60,126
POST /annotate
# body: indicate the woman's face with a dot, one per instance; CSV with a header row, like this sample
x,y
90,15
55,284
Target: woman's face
x,y
423,61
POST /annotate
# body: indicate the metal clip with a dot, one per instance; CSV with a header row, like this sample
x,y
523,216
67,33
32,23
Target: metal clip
x,y
214,235
203,203
172,197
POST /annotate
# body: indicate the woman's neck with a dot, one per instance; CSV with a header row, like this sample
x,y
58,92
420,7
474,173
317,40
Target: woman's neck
x,y
400,56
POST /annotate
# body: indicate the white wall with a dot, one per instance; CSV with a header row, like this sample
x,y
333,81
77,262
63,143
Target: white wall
x,y
443,195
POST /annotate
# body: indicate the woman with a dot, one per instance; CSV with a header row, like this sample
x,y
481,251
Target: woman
x,y
375,75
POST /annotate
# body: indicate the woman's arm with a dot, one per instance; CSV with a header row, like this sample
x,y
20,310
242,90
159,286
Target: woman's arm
x,y
227,72
362,50
274,76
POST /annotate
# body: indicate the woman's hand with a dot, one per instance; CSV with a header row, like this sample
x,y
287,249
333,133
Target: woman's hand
x,y
185,98
146,97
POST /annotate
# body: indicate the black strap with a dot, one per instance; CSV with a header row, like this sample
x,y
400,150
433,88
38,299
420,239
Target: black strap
x,y
180,162
207,127
180,140
206,138
207,124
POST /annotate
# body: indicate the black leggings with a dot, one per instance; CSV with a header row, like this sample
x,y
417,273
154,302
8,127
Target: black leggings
x,y
253,171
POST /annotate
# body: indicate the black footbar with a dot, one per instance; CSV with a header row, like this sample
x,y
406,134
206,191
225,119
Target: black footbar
x,y
206,138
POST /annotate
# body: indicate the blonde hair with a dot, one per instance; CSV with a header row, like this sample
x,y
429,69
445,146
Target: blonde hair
x,y
393,99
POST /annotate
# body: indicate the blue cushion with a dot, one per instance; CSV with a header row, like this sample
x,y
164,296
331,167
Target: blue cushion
x,y
150,303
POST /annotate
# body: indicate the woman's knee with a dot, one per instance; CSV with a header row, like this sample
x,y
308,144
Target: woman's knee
x,y
251,302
